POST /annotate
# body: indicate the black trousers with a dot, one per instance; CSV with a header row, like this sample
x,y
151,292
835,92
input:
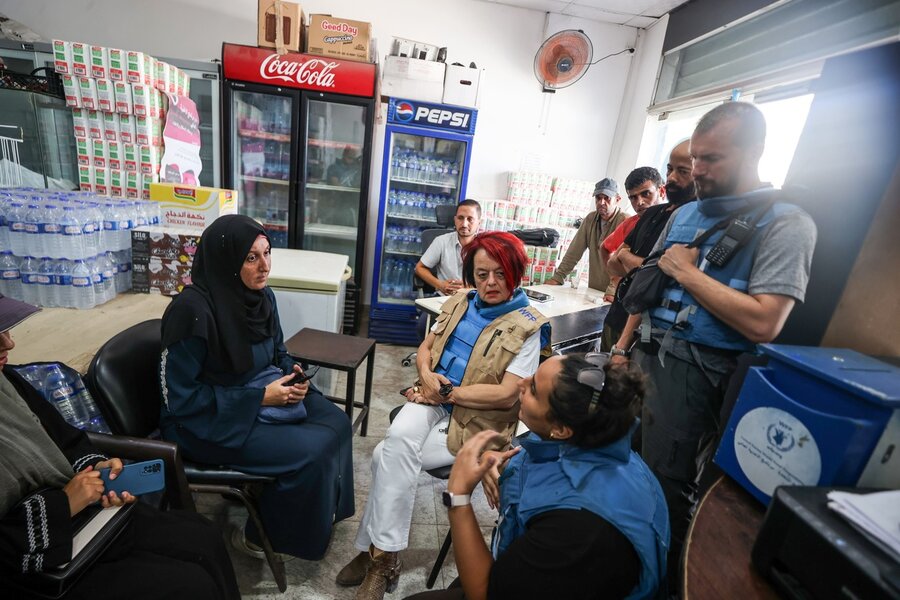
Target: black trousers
x,y
168,555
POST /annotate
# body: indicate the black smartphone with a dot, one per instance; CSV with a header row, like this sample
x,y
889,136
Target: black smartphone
x,y
404,390
538,296
302,377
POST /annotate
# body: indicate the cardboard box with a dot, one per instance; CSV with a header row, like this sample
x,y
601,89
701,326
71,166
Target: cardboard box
x,y
101,181
71,90
461,86
156,276
83,151
141,96
148,132
192,206
117,181
132,183
138,68
150,158
114,156
118,64
413,79
94,124
131,156
165,243
62,57
127,128
291,27
413,49
124,98
339,38
81,59
110,127
106,95
99,62
87,87
99,153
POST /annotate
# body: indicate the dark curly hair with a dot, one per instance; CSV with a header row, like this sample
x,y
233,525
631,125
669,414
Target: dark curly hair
x,y
619,403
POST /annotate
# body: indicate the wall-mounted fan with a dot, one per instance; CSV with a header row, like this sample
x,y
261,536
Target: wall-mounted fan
x,y
563,59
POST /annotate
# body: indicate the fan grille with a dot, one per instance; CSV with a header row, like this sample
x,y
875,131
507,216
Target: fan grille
x,y
570,48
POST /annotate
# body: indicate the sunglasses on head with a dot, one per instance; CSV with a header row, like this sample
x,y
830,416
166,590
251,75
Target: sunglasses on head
x,y
594,377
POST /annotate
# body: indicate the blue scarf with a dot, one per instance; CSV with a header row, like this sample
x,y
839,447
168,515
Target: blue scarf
x,y
516,301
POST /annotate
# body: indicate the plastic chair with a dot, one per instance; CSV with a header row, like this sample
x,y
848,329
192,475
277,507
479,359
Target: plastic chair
x,y
124,379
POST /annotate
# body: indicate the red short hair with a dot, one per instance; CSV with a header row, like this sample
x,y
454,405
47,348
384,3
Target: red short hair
x,y
505,248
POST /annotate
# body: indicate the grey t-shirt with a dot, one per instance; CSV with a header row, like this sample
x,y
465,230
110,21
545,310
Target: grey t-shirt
x,y
444,257
780,266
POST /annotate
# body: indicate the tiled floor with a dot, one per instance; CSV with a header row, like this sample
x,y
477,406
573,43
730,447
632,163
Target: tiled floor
x,y
315,580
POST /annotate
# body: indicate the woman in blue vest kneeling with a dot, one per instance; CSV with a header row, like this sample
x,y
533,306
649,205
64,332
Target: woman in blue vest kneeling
x,y
481,346
581,515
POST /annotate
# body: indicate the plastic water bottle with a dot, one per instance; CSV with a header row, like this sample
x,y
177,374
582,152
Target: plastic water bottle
x,y
28,268
72,243
45,278
10,278
60,392
50,238
65,293
123,265
85,404
82,285
126,224
107,277
412,167
15,218
454,171
384,287
96,281
4,225
92,226
34,218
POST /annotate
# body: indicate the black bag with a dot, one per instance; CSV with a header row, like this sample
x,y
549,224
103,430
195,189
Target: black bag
x,y
544,236
643,286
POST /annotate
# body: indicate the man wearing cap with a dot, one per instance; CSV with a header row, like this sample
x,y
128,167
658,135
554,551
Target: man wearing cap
x,y
595,227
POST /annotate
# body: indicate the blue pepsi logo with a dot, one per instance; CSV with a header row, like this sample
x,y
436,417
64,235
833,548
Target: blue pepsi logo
x,y
404,112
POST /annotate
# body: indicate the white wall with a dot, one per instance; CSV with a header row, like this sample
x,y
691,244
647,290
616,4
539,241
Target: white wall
x,y
577,142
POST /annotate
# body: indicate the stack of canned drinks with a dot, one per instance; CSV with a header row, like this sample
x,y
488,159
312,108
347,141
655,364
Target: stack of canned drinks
x,y
67,249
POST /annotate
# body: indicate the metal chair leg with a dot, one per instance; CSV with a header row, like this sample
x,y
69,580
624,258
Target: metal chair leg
x,y
439,562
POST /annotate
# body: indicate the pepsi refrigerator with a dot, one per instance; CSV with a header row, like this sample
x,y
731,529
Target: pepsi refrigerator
x,y
298,139
427,148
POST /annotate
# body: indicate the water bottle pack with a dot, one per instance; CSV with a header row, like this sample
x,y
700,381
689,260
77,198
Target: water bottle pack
x,y
63,388
67,249
403,239
420,206
397,279
425,168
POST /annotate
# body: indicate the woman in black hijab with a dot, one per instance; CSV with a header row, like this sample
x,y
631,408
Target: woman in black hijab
x,y
227,397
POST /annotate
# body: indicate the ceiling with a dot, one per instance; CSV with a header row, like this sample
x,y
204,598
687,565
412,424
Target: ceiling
x,y
634,13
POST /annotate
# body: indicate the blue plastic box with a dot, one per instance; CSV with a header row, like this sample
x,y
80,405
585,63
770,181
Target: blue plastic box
x,y
814,416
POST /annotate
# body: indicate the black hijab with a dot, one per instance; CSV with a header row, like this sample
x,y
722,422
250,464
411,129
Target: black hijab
x,y
217,306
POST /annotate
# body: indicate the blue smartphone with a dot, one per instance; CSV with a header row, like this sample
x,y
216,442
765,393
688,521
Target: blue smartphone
x,y
136,478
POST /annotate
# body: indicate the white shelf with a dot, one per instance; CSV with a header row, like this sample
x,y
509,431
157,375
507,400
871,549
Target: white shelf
x,y
265,180
332,188
403,252
451,185
405,218
342,232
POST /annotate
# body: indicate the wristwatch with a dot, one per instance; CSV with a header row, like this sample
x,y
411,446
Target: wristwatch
x,y
451,500
616,351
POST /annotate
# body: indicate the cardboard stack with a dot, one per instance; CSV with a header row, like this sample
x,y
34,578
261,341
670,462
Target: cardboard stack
x,y
163,258
542,200
118,101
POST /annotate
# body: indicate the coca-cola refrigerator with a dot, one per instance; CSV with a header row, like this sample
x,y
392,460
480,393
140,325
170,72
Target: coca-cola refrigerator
x,y
298,138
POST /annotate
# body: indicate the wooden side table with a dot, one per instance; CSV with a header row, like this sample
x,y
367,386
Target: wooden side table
x,y
341,353
718,546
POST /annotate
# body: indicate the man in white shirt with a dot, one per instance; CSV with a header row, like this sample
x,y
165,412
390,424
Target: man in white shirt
x,y
441,264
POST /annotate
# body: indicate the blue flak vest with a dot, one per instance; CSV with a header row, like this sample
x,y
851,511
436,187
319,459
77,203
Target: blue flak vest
x,y
694,323
458,350
611,482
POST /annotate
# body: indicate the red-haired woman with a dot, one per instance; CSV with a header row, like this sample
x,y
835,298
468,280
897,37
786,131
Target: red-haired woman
x,y
481,345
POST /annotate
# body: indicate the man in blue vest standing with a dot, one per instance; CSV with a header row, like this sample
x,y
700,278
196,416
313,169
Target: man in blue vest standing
x,y
732,292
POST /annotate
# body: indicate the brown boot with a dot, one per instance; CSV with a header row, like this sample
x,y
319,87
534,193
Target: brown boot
x,y
354,571
382,575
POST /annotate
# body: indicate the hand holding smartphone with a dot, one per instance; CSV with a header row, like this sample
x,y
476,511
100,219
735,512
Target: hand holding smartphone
x,y
136,478
302,376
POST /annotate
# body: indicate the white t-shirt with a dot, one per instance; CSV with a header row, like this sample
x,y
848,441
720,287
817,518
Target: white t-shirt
x,y
443,257
526,361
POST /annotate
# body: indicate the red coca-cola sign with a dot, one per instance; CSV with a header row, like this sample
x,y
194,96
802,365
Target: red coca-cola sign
x,y
304,71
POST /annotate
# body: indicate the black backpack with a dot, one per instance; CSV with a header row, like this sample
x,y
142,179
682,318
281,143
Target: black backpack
x,y
544,236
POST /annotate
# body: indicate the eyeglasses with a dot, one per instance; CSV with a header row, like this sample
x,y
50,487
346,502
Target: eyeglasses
x,y
594,377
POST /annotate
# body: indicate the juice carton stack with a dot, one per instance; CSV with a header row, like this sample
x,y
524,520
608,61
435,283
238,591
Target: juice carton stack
x,y
536,200
118,100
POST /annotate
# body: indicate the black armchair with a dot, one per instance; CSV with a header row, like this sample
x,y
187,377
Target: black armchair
x,y
124,379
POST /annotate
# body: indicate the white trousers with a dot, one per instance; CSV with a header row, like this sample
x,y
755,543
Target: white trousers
x,y
416,441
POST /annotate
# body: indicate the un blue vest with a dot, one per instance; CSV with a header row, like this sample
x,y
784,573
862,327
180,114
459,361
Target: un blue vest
x,y
611,482
455,357
691,220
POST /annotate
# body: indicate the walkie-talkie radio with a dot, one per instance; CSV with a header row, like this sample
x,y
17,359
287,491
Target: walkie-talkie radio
x,y
736,235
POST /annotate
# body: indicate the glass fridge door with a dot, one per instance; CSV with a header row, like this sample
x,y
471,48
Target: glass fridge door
x,y
262,163
205,94
335,135
425,174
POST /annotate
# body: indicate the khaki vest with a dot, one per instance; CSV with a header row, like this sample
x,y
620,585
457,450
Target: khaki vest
x,y
491,355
